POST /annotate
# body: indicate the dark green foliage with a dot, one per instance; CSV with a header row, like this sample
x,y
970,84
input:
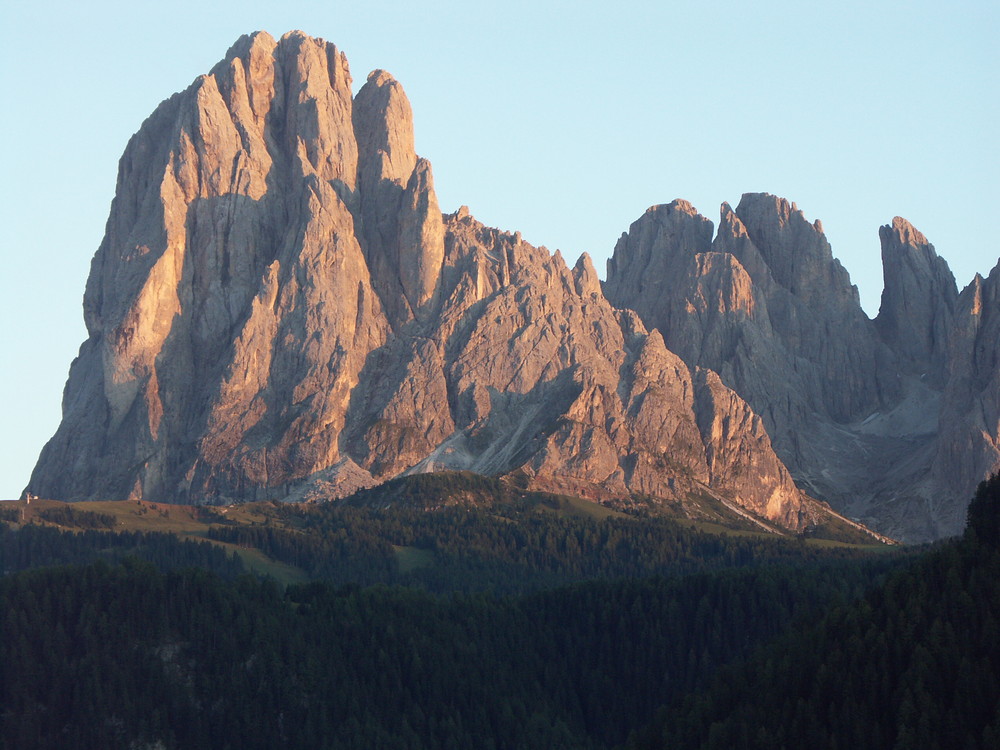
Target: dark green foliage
x,y
517,546
33,546
438,489
344,552
240,665
914,664
626,648
117,656
983,525
81,519
520,625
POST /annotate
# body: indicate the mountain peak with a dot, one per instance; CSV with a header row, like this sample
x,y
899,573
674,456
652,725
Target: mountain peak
x,y
905,233
279,309
383,125
918,299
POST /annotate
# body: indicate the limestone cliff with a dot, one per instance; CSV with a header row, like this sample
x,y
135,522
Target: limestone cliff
x,y
891,420
765,305
968,448
916,317
279,309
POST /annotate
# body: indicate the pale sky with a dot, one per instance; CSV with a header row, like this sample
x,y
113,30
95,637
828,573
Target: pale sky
x,y
564,121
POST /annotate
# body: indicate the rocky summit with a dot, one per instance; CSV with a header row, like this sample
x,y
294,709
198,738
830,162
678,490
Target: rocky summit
x,y
864,413
279,310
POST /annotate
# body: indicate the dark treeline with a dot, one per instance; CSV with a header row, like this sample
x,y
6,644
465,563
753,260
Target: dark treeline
x,y
33,546
509,548
438,489
680,639
82,519
121,656
914,664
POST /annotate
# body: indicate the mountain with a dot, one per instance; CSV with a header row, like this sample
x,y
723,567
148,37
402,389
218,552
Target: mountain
x,y
969,444
279,309
892,420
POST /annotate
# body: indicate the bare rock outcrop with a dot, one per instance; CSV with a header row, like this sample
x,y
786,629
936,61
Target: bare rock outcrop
x,y
279,309
739,453
538,375
230,307
401,228
859,410
916,316
765,305
968,447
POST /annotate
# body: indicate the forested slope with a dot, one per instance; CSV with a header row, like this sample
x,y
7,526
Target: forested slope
x,y
914,664
530,625
519,625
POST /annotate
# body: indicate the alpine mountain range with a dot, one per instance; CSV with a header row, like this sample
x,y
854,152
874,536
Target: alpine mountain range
x,y
279,310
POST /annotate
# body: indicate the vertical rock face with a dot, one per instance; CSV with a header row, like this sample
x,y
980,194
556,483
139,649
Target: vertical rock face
x,y
280,309
739,453
918,302
527,367
813,308
401,230
969,445
230,308
765,305
889,420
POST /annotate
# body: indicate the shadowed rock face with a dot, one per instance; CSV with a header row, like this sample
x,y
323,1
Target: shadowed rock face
x,y
917,315
969,445
279,309
765,305
892,420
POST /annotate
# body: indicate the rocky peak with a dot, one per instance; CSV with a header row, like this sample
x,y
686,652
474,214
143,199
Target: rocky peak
x,y
772,273
230,290
893,420
654,251
918,300
585,277
734,239
796,251
968,448
279,309
767,309
730,223
903,233
312,103
401,229
383,125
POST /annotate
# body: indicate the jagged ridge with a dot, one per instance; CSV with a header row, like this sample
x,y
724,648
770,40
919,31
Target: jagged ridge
x,y
892,420
279,309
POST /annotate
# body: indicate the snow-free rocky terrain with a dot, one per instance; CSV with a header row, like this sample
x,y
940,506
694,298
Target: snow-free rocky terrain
x,y
280,309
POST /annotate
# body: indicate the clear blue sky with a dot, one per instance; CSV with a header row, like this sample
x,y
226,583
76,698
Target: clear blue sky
x,y
562,120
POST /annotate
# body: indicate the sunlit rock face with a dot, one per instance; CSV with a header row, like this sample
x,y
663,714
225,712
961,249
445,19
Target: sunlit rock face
x,y
891,420
766,290
230,308
279,309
